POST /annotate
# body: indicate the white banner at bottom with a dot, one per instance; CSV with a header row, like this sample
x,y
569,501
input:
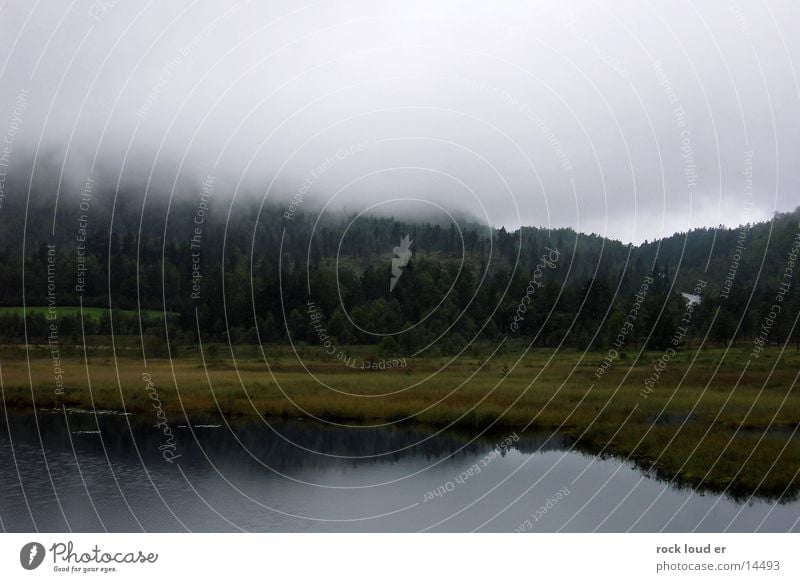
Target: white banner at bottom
x,y
400,557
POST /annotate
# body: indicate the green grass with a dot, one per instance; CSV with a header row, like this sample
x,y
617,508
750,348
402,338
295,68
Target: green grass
x,y
94,313
738,440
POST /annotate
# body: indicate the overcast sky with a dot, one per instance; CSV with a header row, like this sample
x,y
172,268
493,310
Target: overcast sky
x,y
630,119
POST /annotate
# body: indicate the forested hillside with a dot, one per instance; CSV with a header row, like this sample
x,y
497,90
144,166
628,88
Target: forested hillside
x,y
253,271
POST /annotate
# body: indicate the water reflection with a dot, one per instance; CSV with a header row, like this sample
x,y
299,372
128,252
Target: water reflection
x,y
82,472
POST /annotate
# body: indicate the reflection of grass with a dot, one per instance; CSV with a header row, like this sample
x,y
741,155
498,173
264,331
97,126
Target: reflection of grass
x,y
565,394
75,311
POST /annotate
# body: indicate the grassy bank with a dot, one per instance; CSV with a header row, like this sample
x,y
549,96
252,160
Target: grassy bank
x,y
705,422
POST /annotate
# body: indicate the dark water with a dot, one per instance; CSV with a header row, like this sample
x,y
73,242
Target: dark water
x,y
63,475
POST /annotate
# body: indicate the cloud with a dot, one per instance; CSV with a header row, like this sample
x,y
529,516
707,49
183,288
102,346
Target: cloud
x,y
621,118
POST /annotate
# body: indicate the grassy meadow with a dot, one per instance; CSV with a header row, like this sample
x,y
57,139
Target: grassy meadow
x,y
95,313
707,422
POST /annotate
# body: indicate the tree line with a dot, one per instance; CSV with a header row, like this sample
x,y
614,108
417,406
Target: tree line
x,y
249,274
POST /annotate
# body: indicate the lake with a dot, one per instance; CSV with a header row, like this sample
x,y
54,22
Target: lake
x,y
76,471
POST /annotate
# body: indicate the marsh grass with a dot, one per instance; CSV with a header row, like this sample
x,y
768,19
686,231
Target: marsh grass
x,y
693,428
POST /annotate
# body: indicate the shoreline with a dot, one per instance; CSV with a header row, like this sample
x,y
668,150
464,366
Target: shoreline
x,y
695,428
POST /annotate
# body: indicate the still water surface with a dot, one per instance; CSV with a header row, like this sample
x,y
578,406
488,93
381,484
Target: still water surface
x,y
80,472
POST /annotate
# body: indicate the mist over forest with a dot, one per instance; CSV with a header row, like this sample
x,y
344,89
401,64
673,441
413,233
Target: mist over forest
x,y
245,269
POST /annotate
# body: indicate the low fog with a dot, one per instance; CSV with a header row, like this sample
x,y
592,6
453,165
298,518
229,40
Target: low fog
x,y
628,119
